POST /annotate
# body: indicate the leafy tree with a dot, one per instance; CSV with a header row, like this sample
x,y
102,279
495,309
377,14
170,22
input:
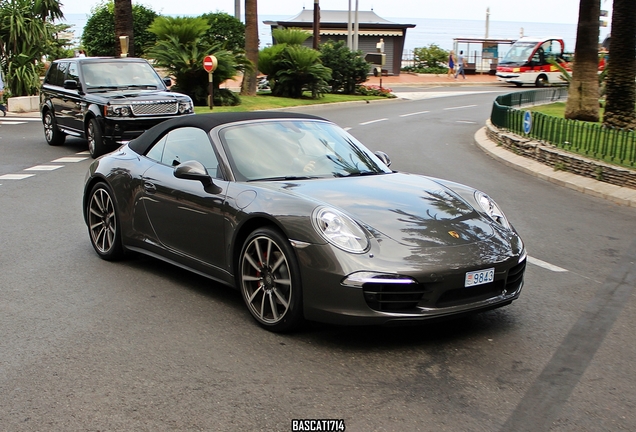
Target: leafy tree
x,y
248,87
348,68
582,103
225,30
621,68
431,59
99,33
180,48
123,15
26,33
290,36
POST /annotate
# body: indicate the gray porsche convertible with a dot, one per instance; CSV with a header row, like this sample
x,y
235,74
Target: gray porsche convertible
x,y
305,221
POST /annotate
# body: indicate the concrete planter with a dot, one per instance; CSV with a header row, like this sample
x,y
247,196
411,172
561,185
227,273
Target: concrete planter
x,y
21,104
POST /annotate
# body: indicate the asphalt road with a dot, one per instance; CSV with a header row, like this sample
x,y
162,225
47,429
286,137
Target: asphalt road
x,y
141,345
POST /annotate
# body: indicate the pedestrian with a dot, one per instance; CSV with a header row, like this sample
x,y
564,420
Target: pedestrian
x,y
460,65
81,53
451,64
2,107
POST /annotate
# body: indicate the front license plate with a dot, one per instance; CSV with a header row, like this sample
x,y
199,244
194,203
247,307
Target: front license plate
x,y
479,277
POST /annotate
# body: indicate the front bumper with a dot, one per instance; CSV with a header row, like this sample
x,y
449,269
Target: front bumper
x,y
120,130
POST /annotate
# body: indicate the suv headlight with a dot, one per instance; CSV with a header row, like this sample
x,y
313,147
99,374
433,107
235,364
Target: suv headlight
x,y
339,230
185,107
491,208
118,111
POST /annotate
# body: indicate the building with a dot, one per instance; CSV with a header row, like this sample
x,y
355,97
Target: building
x,y
371,28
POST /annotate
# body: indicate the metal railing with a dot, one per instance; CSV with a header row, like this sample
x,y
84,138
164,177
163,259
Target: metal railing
x,y
589,139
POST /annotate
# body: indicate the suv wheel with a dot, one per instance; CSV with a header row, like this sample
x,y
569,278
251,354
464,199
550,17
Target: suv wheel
x,y
52,134
96,145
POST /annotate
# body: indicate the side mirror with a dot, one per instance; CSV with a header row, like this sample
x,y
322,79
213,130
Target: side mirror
x,y
167,81
70,85
193,170
383,157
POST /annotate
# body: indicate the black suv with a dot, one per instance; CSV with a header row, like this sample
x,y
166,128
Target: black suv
x,y
108,101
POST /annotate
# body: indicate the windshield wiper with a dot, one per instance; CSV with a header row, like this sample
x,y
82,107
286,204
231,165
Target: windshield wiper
x,y
146,86
359,174
102,88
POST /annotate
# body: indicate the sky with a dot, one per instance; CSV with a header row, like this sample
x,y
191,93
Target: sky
x,y
542,11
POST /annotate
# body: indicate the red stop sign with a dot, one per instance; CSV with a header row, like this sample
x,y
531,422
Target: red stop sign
x,y
210,63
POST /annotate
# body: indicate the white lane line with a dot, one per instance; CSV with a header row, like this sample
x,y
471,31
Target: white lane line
x,y
545,265
44,168
414,113
347,128
459,107
85,152
9,122
373,121
69,159
466,121
15,176
22,119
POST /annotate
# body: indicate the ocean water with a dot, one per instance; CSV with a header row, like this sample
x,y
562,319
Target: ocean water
x,y
427,31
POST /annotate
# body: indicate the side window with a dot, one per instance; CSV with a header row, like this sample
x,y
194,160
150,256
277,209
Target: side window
x,y
185,144
72,73
56,74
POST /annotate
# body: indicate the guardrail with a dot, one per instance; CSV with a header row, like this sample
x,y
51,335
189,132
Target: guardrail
x,y
588,139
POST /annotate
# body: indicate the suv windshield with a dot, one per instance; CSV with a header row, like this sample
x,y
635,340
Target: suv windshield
x,y
118,74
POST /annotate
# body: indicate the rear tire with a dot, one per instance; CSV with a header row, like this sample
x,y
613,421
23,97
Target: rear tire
x,y
96,145
52,134
541,81
269,280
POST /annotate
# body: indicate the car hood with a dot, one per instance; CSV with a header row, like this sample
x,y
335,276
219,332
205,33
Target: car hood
x,y
132,95
412,210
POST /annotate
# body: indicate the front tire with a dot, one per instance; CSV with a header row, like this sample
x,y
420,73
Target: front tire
x,y
52,134
269,281
95,139
103,223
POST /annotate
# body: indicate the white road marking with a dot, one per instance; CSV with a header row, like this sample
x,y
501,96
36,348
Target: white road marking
x,y
10,122
44,168
545,265
15,176
69,159
414,113
433,95
22,119
459,107
373,121
347,128
466,121
85,152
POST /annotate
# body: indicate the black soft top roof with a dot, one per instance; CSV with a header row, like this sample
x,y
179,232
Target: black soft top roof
x,y
207,122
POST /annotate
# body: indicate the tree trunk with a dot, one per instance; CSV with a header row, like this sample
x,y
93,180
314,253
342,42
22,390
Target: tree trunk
x,y
583,93
124,25
620,87
248,87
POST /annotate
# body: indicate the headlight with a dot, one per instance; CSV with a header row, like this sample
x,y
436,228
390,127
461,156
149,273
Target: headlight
x,y
491,208
118,111
339,230
185,107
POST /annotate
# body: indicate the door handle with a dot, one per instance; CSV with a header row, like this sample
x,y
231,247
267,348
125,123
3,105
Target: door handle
x,y
150,187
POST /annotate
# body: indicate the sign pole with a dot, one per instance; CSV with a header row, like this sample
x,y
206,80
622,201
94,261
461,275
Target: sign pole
x,y
211,90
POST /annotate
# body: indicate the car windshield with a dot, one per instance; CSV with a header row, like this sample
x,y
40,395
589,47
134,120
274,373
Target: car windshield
x,y
120,75
519,53
296,149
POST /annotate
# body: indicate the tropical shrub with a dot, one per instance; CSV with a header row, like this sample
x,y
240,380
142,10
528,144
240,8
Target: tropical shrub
x,y
180,48
291,68
26,34
348,68
98,38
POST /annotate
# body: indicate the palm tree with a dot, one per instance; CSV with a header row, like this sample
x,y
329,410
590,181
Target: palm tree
x,y
248,87
583,93
620,85
124,25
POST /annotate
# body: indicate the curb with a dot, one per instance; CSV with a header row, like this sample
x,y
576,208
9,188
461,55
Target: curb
x,y
617,194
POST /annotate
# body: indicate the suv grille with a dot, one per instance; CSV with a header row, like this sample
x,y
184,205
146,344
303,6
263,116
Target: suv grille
x,y
154,108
